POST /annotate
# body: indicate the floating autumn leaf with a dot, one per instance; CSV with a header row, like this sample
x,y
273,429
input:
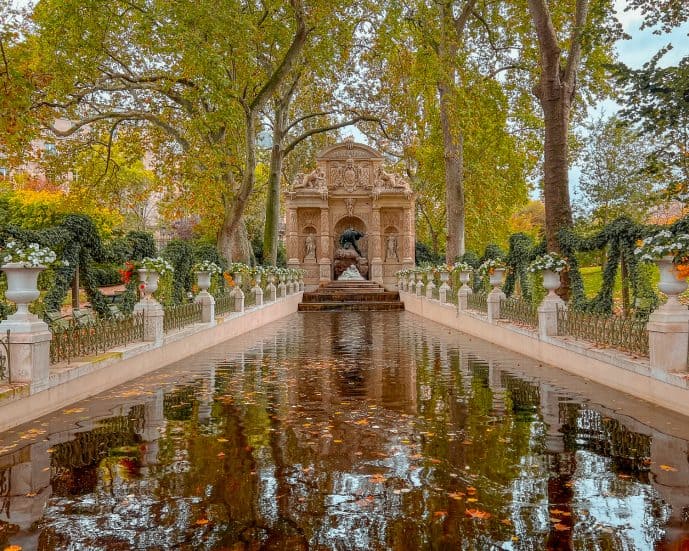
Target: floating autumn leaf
x,y
222,440
202,521
377,479
477,513
13,548
361,422
72,410
561,527
471,490
506,522
668,468
456,495
440,514
221,454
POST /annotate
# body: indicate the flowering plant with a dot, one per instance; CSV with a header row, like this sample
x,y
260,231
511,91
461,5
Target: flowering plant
x,y
462,267
239,268
549,261
206,266
662,244
127,272
156,264
490,265
29,256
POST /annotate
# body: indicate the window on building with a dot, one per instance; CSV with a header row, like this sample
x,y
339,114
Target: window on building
x,y
4,172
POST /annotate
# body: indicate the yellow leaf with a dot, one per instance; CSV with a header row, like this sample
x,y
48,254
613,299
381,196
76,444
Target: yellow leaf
x,y
202,522
668,468
477,513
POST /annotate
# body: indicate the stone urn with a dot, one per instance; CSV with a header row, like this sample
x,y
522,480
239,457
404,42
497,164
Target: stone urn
x,y
464,278
669,284
551,282
496,277
22,287
203,280
149,279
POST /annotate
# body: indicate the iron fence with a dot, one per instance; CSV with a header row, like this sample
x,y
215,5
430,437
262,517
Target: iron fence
x,y
75,341
520,311
477,301
181,315
224,303
628,334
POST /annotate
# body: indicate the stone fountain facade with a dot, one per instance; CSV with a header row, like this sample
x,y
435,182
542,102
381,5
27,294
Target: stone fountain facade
x,y
350,189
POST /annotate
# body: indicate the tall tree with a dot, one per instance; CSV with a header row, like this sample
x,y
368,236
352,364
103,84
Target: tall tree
x,y
200,75
584,26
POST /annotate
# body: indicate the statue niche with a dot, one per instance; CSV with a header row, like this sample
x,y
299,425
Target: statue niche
x,y
348,256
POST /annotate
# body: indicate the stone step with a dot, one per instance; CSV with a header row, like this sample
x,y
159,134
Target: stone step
x,y
348,296
349,306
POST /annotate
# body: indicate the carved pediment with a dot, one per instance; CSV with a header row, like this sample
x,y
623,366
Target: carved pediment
x,y
349,149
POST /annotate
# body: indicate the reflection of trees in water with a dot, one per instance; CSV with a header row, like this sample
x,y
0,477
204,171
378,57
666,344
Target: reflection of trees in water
x,y
178,405
524,395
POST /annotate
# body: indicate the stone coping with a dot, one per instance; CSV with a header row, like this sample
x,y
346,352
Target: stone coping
x,y
606,366
69,383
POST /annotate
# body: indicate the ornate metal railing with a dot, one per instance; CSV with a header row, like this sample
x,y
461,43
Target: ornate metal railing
x,y
74,341
181,315
5,358
519,311
224,303
477,301
626,334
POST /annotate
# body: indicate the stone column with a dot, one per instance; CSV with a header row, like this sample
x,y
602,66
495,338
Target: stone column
x,y
292,238
493,300
207,302
408,260
464,291
668,336
324,261
547,310
375,247
29,350
153,319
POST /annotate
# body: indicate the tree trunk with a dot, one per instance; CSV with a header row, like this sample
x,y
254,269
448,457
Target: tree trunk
x,y
454,180
270,230
558,212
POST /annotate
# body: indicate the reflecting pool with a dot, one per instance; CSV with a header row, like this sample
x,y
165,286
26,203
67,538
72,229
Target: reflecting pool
x,y
350,430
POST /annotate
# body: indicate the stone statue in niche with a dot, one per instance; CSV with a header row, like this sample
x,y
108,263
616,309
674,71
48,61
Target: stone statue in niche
x,y
349,238
309,248
391,249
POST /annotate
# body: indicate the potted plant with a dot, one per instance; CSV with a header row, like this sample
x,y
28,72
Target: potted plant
x,y
671,253
465,270
150,270
204,271
550,265
495,269
22,263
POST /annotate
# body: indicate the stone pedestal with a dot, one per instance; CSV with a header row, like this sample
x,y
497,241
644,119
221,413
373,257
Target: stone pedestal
x,y
271,290
324,268
547,315
463,297
29,350
153,319
668,337
430,288
207,302
238,299
493,300
258,295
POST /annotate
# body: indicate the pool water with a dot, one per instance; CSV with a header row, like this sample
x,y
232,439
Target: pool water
x,y
355,430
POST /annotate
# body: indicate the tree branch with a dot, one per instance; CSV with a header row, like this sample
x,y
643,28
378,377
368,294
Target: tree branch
x,y
547,39
574,55
287,62
322,129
